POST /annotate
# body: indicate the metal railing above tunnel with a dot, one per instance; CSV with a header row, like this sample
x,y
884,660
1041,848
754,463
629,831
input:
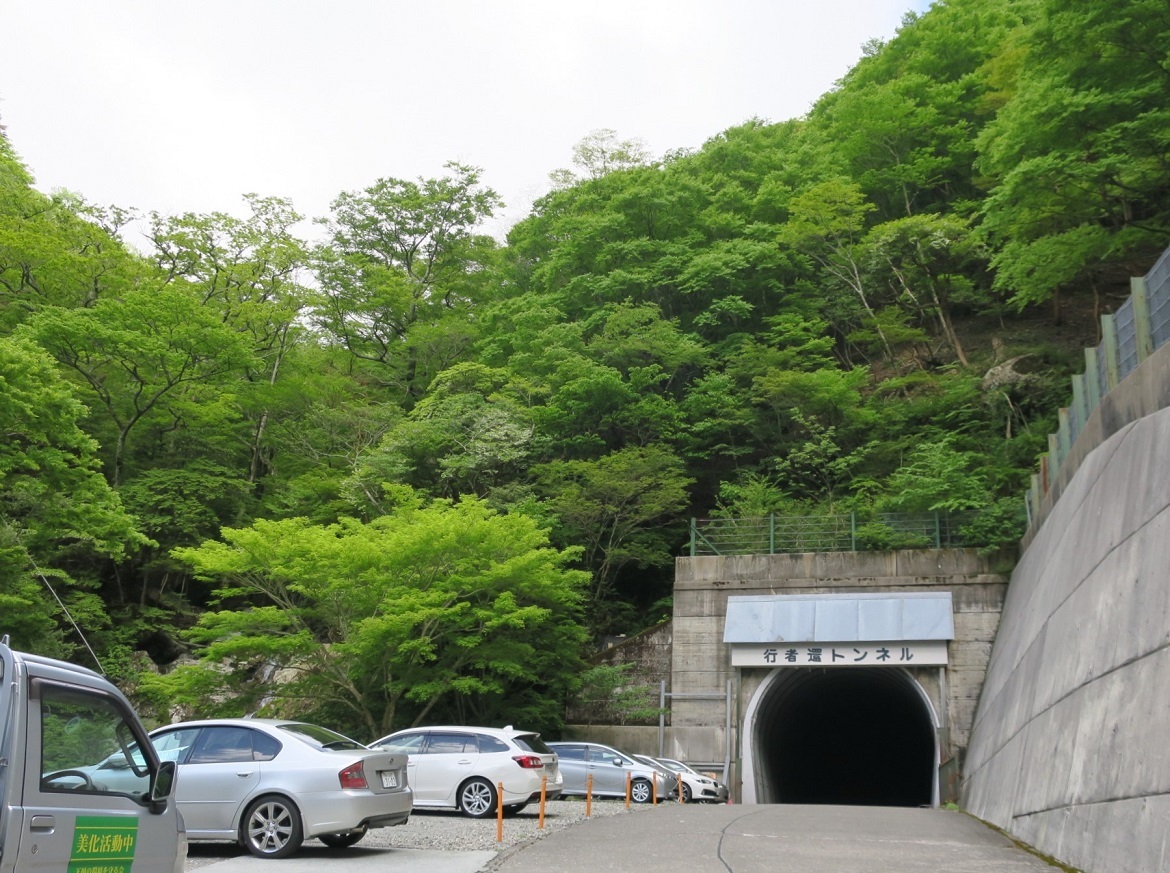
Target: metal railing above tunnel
x,y
786,534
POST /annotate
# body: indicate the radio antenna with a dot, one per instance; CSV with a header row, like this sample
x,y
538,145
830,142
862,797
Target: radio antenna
x,y
68,614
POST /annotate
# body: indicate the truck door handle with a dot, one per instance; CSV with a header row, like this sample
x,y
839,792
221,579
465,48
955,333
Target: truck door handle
x,y
42,823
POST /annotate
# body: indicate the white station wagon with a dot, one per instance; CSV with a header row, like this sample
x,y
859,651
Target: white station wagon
x,y
460,767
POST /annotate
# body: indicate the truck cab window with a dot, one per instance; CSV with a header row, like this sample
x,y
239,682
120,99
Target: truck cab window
x,y
87,745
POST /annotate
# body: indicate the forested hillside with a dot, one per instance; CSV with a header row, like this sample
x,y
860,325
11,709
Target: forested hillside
x,y
409,473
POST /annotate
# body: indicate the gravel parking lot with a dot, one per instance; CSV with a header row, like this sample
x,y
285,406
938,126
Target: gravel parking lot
x,y
451,831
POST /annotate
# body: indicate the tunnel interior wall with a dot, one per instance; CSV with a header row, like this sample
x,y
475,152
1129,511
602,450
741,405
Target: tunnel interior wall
x,y
843,736
1070,749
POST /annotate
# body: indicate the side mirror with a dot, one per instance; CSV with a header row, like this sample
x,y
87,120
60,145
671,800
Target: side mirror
x,y
163,787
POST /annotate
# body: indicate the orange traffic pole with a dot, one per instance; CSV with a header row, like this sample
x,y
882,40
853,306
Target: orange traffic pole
x,y
499,812
629,782
679,785
589,796
543,790
654,788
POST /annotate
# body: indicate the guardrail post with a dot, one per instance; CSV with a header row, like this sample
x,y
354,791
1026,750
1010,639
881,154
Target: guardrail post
x,y
1143,333
1092,380
1064,434
1080,406
1112,361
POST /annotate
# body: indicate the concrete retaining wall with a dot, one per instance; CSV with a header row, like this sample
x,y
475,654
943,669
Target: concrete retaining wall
x,y
1070,750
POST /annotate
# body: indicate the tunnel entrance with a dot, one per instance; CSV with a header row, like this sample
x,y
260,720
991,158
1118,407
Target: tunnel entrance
x,y
843,736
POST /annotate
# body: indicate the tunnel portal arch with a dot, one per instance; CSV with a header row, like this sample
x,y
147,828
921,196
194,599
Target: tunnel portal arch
x,y
841,736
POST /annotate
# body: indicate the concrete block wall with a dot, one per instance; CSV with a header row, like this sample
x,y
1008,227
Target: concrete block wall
x,y
1070,750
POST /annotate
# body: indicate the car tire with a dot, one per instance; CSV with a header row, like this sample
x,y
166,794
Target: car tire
x,y
477,798
687,795
343,840
641,791
271,827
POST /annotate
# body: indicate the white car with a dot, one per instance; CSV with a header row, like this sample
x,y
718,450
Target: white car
x,y
271,784
696,786
460,767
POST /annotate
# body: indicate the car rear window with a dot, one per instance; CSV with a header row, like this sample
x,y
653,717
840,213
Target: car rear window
x,y
491,744
319,737
532,743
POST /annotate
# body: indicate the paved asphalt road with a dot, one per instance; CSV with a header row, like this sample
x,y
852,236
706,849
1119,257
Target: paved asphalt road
x,y
780,839
712,839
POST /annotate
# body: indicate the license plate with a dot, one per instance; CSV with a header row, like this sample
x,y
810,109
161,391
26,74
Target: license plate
x,y
389,779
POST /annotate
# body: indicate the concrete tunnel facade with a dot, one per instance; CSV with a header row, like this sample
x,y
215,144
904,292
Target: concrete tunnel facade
x,y
882,717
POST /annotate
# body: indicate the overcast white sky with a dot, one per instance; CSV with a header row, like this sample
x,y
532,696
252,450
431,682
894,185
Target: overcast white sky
x,y
185,105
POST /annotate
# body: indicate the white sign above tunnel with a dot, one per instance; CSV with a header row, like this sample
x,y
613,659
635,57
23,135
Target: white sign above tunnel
x,y
898,653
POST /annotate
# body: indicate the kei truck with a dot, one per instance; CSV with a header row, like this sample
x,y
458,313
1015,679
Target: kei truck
x,y
58,722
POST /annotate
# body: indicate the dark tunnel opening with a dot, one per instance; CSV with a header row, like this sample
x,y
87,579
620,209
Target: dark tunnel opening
x,y
861,737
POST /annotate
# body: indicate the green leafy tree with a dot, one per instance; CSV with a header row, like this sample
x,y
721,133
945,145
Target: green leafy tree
x,y
434,610
599,154
828,222
467,435
938,476
55,251
249,271
57,513
818,468
617,507
402,255
135,355
931,263
1077,155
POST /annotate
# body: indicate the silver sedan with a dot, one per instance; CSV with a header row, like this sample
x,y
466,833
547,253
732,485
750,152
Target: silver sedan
x,y
611,771
271,784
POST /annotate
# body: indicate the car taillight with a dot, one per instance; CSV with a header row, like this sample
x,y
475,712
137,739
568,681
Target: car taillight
x,y
528,762
353,777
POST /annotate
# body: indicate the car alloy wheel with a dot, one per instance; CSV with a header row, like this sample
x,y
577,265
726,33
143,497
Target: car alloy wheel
x,y
686,790
477,798
640,791
272,828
